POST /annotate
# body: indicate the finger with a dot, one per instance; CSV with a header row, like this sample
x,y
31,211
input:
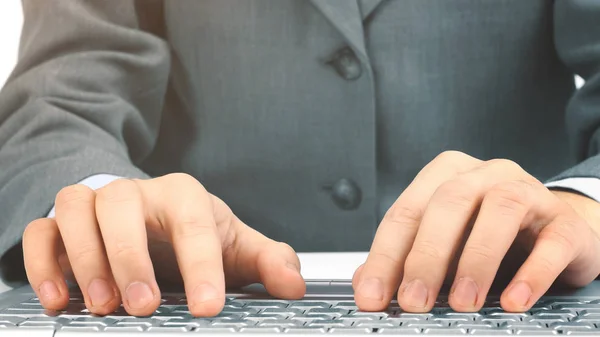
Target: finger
x,y
251,257
504,210
383,269
557,246
40,252
76,219
120,214
443,227
186,210
357,276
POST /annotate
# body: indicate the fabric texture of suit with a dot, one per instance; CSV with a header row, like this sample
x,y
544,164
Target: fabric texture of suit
x,y
272,103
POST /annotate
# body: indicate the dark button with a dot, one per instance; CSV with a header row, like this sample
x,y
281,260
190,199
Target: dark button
x,y
346,194
347,65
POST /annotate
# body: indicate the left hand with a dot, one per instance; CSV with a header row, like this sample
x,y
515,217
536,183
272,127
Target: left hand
x,y
472,210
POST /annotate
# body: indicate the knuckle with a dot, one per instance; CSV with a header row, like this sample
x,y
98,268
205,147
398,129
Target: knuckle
x,y
34,228
284,247
74,195
458,194
425,250
118,191
192,225
479,252
562,233
124,250
184,179
386,257
510,197
505,164
86,253
544,265
403,215
450,156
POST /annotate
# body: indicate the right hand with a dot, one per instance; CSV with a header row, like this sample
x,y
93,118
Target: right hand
x,y
113,240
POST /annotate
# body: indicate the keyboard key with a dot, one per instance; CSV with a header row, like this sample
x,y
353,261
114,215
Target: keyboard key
x,y
350,305
184,322
138,321
305,305
361,318
376,324
281,323
94,321
124,328
400,331
168,329
350,331
413,317
534,331
262,317
329,323
13,320
582,332
260,329
266,304
444,331
79,328
328,311
305,330
553,312
315,316
214,330
24,312
488,331
45,321
283,311
379,315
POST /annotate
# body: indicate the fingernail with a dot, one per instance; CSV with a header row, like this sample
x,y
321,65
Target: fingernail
x,y
49,291
371,288
100,292
465,292
415,294
520,293
292,267
139,295
204,293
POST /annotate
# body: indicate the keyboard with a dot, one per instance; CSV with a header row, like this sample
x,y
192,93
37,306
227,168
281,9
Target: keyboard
x,y
547,317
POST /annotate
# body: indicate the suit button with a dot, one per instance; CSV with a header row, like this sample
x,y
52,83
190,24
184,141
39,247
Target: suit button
x,y
347,65
346,194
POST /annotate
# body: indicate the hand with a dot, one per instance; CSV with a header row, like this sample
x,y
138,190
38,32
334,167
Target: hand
x,y
462,208
105,238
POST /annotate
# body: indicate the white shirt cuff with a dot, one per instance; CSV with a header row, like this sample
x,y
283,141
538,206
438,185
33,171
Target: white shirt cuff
x,y
589,187
94,182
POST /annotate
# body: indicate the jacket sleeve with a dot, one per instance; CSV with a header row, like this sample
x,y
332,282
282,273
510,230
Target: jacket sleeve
x,y
84,98
577,40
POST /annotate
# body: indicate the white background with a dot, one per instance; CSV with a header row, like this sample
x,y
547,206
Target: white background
x,y
11,19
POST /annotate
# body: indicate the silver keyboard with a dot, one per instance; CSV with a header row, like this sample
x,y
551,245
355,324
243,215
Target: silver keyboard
x,y
548,317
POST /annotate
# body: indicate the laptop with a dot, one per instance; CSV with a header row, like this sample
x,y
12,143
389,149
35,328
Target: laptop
x,y
327,309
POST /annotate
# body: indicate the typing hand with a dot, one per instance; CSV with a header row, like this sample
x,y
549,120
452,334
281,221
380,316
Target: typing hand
x,y
458,219
106,239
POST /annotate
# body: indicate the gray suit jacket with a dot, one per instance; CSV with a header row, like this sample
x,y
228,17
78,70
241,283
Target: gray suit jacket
x,y
308,117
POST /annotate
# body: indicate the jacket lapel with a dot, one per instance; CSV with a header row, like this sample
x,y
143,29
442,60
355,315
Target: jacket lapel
x,y
346,17
367,7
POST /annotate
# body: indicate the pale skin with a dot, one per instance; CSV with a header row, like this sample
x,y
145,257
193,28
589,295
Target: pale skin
x,y
454,223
